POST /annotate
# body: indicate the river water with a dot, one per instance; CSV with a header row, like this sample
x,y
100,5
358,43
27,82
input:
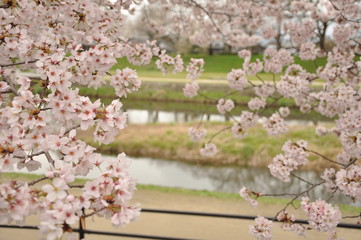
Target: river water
x,y
167,173
139,116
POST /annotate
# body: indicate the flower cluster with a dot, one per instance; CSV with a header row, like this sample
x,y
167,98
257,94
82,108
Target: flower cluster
x,y
256,103
349,181
293,157
237,79
194,68
165,61
275,125
196,134
191,89
209,150
246,120
289,225
246,194
225,106
262,229
125,81
323,216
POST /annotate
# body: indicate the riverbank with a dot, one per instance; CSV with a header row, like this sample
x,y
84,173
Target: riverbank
x,y
257,149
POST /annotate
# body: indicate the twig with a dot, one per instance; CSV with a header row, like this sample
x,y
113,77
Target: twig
x,y
270,105
208,14
19,63
95,212
5,6
36,181
299,178
350,163
332,195
11,86
205,96
219,132
297,196
230,93
356,216
76,186
72,128
259,78
50,159
277,195
324,157
6,91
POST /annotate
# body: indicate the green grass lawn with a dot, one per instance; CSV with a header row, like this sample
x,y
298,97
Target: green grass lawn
x,y
216,66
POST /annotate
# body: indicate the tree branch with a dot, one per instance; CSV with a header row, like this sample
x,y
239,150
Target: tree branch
x,y
219,132
36,181
208,14
95,212
50,159
11,85
76,186
324,157
5,6
299,178
356,216
19,63
297,196
6,91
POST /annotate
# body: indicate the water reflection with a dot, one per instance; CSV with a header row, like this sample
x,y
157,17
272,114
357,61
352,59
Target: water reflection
x,y
222,179
136,116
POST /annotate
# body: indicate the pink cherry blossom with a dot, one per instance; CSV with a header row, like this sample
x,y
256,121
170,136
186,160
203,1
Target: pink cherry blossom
x,y
262,229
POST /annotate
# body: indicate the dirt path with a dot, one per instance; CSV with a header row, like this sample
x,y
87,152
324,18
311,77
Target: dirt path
x,y
191,227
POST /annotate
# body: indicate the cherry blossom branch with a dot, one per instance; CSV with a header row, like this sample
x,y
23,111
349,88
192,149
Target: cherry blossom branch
x,y
76,186
230,93
201,121
6,91
301,179
208,14
219,132
297,196
36,181
11,85
341,13
205,96
324,157
72,128
232,117
6,5
19,63
271,104
259,78
50,159
332,194
95,212
277,194
355,216
350,163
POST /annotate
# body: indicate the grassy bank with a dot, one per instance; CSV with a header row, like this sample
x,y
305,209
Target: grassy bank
x,y
173,92
213,64
168,96
171,141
